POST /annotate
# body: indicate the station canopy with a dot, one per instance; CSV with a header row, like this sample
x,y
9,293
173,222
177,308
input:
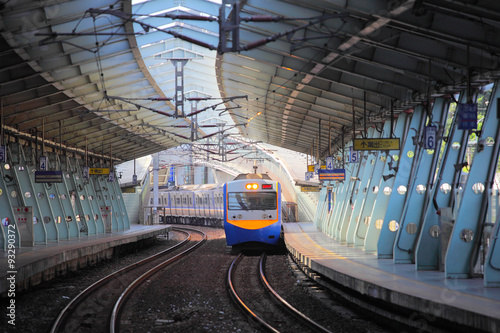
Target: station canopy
x,y
131,78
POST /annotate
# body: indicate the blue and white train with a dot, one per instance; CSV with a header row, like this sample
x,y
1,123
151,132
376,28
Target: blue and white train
x,y
248,207
252,212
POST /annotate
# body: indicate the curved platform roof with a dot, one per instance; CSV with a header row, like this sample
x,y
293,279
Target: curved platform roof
x,y
97,78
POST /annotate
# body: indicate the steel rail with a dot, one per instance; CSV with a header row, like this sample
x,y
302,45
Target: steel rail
x,y
72,305
236,298
284,304
137,282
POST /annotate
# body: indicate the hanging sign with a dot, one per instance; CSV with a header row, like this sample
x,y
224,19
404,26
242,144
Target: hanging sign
x,y
329,163
309,175
48,176
111,177
310,168
134,179
99,171
376,144
335,174
309,189
3,154
85,172
467,116
430,137
43,163
316,168
353,156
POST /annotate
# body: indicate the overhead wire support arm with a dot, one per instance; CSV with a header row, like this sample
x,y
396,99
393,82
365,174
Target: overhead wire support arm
x,y
224,100
312,21
147,27
138,106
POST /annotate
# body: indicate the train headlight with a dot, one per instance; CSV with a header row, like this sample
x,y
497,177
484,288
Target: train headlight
x,y
252,186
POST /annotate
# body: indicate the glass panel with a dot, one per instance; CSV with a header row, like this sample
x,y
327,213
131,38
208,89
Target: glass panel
x,y
251,201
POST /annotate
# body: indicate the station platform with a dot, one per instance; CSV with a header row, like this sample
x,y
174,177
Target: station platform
x,y
33,265
422,299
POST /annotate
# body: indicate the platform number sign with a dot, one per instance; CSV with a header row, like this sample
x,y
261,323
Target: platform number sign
x,y
43,163
3,154
353,155
111,177
86,172
430,137
134,179
329,163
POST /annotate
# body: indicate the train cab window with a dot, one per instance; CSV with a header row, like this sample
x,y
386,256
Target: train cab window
x,y
251,200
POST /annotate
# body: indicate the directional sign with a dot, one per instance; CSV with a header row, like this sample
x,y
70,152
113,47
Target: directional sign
x,y
48,176
335,174
309,175
376,144
310,168
329,163
309,189
3,154
430,137
99,171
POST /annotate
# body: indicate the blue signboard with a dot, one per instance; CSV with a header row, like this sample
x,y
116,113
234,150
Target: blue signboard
x,y
353,155
43,163
430,137
86,172
48,177
467,116
335,174
3,154
171,174
329,163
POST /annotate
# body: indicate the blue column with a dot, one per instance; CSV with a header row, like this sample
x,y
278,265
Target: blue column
x,y
372,191
7,185
418,195
392,219
467,232
368,162
432,242
385,188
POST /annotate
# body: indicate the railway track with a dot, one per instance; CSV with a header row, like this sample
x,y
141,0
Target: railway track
x,y
98,307
263,306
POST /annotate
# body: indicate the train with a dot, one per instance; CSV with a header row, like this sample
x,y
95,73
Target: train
x,y
249,209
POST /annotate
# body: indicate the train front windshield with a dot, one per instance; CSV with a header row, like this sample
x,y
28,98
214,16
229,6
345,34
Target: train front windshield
x,y
251,200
